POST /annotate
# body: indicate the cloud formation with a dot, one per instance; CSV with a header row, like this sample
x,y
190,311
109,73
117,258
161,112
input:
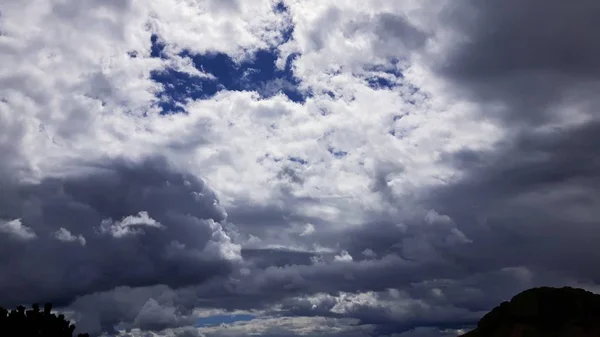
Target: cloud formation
x,y
186,242
374,168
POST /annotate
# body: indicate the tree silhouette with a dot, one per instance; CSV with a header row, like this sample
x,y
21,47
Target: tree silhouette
x,y
35,323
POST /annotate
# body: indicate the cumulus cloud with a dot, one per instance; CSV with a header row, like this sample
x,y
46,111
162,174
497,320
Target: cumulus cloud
x,y
188,239
17,230
308,230
343,257
124,227
63,234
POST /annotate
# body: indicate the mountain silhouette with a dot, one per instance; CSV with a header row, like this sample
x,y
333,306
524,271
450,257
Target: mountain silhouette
x,y
543,312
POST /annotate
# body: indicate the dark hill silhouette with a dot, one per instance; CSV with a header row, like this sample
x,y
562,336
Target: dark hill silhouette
x,y
35,323
543,312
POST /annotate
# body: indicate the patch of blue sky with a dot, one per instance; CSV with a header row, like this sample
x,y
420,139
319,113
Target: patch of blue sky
x,y
298,160
288,31
381,82
281,7
384,76
178,87
257,74
337,153
157,47
222,319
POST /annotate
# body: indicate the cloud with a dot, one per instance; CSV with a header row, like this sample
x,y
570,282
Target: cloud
x,y
185,237
536,58
124,227
290,326
308,230
153,316
16,229
343,257
525,193
384,169
63,234
530,67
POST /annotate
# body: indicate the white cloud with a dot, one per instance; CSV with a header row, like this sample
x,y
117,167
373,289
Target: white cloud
x,y
17,230
130,225
369,253
221,245
308,230
65,235
434,218
345,303
344,256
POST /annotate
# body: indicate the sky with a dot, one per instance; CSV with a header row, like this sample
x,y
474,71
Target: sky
x,y
213,168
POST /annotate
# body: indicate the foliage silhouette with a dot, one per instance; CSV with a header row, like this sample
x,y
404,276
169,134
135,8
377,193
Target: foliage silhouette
x,y
35,323
547,312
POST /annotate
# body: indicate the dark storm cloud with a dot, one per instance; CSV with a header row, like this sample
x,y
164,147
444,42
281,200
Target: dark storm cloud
x,y
149,308
530,56
122,225
533,201
509,36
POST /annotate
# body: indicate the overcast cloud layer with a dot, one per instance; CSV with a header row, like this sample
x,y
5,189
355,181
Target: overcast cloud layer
x,y
297,168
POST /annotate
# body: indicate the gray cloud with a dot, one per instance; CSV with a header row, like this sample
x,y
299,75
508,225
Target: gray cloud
x,y
150,308
532,201
164,230
511,36
188,332
532,56
394,35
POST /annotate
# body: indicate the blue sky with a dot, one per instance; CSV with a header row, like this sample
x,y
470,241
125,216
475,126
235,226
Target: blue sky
x,y
223,168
